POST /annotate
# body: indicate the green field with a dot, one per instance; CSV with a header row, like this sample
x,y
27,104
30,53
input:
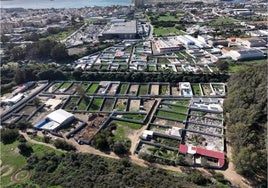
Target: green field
x,y
222,21
134,126
92,89
143,90
96,104
167,31
83,104
171,115
196,90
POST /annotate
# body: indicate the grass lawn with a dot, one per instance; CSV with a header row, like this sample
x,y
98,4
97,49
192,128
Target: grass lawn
x,y
83,104
96,104
222,21
135,126
92,89
166,31
134,116
143,90
171,115
123,88
196,90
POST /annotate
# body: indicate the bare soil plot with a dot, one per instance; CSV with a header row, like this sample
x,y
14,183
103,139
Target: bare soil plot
x,y
94,123
72,89
175,91
171,123
154,89
113,89
121,104
206,89
133,89
148,104
134,105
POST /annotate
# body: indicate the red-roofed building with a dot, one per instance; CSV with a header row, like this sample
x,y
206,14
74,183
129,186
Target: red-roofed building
x,y
183,148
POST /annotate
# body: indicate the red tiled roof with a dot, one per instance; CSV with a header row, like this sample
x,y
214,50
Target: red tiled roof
x,y
214,154
183,148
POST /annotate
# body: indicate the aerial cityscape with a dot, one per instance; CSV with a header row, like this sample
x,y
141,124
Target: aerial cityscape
x,y
141,93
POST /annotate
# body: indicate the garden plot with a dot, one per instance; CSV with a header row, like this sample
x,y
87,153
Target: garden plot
x,y
121,104
108,104
181,102
154,89
123,88
171,123
196,90
206,114
143,90
205,141
175,91
218,88
73,88
175,108
93,88
165,141
63,87
113,88
133,89
134,105
96,104
164,90
93,124
171,115
205,120
53,87
205,129
84,102
207,91
71,103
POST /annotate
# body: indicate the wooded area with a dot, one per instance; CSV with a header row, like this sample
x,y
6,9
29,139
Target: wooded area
x,y
246,105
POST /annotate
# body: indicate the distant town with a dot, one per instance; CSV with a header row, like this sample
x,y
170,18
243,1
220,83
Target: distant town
x,y
146,81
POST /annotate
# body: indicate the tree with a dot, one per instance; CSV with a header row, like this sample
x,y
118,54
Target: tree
x,y
222,65
62,144
8,136
25,149
59,52
120,148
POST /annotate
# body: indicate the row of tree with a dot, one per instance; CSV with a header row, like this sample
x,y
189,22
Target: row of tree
x,y
246,105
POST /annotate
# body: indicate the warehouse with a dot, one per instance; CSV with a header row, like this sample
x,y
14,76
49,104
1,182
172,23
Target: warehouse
x,y
246,54
121,30
55,120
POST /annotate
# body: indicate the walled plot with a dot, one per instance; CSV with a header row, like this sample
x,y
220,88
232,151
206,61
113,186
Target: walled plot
x,y
175,91
71,103
27,109
73,88
123,88
143,90
133,89
113,88
94,122
164,89
93,88
53,87
95,104
206,89
167,122
154,89
196,90
219,89
134,105
121,104
108,104
63,87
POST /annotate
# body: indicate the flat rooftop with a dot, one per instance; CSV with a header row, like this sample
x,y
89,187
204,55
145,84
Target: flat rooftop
x,y
122,27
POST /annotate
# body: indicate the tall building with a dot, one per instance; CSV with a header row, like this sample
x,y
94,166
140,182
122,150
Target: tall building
x,y
138,3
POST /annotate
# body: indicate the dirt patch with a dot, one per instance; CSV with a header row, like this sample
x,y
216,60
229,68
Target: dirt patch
x,y
133,89
8,169
154,89
134,105
94,122
175,91
20,175
148,104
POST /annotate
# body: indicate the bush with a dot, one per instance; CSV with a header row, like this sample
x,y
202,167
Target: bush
x,y
8,136
25,149
61,144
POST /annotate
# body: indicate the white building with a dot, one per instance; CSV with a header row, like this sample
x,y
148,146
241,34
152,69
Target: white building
x,y
245,54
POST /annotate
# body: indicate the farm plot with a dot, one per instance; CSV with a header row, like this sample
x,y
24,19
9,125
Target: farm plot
x,y
121,104
172,115
53,87
93,124
93,88
166,141
206,89
164,90
176,108
73,88
133,89
196,90
154,89
71,103
83,103
96,104
182,102
63,87
108,104
143,90
123,88
113,88
171,123
134,105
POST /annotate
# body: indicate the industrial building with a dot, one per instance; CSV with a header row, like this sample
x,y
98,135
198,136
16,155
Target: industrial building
x,y
55,120
121,30
245,54
167,44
